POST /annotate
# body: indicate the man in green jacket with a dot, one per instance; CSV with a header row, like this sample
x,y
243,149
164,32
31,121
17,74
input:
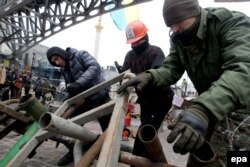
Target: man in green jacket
x,y
213,46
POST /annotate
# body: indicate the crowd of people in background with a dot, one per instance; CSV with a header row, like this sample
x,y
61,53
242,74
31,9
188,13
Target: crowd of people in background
x,y
12,82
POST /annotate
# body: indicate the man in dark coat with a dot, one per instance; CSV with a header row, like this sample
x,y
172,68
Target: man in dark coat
x,y
154,103
81,72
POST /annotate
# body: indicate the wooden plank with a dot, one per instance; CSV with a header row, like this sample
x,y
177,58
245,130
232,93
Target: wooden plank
x,y
14,114
109,154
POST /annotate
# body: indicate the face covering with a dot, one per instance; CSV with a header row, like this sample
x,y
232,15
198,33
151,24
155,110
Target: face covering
x,y
189,36
140,48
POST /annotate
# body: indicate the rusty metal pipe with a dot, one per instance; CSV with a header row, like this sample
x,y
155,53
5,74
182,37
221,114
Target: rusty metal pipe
x,y
137,161
53,123
94,150
148,135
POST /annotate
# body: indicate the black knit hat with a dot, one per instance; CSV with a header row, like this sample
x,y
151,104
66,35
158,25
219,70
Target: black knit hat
x,y
175,11
56,51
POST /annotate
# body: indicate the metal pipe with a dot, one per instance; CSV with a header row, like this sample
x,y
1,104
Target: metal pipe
x,y
83,118
53,123
137,161
93,152
32,106
126,147
148,135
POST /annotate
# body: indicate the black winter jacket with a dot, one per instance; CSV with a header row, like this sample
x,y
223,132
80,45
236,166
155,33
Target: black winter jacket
x,y
82,68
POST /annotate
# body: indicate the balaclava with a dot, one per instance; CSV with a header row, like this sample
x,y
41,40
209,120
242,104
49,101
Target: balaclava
x,y
142,47
56,51
189,36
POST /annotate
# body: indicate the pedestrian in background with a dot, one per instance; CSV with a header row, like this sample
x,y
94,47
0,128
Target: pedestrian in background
x,y
184,87
38,88
3,91
2,76
26,82
18,85
10,81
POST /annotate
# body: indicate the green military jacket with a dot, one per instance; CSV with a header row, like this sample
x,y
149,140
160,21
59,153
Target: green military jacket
x,y
220,68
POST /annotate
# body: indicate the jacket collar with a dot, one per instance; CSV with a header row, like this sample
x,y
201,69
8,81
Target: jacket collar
x,y
203,25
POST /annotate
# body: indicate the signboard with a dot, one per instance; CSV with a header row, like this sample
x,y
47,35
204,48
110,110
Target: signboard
x,y
177,101
6,63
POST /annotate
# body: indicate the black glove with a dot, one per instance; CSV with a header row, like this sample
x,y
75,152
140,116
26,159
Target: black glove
x,y
139,82
118,67
66,97
192,126
73,87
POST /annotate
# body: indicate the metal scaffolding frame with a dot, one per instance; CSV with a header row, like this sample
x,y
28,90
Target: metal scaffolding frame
x,y
25,23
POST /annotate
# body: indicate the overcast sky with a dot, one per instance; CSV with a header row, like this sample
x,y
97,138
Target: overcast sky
x,y
113,41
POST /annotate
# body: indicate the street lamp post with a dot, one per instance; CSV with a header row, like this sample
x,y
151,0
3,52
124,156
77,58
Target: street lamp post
x,y
99,28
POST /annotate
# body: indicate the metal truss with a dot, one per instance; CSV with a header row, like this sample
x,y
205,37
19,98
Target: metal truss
x,y
25,23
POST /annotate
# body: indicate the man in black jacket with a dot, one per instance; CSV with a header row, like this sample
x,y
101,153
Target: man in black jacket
x,y
154,102
81,72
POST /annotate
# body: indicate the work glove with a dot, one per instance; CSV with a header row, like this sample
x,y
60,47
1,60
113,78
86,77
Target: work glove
x,y
129,75
192,126
139,82
73,87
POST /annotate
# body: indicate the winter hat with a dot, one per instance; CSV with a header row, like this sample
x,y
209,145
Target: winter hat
x,y
175,11
56,51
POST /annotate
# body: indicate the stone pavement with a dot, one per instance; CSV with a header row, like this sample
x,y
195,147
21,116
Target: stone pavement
x,y
47,155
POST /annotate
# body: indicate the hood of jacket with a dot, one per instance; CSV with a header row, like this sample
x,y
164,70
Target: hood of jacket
x,y
57,51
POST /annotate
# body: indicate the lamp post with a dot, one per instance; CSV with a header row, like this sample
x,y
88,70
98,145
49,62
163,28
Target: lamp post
x,y
99,28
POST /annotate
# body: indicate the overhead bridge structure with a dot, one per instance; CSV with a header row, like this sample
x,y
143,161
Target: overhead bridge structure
x,y
25,23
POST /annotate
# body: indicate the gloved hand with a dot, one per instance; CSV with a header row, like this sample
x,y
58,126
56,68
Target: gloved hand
x,y
192,126
139,82
73,87
66,96
129,75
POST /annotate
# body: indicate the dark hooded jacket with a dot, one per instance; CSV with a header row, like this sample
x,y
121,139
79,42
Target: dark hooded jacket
x,y
82,68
